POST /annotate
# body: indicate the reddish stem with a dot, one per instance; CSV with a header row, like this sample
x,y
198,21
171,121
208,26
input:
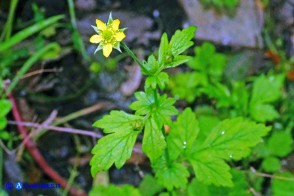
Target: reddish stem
x,y
37,156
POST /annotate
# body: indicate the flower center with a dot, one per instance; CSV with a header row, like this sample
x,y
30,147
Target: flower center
x,y
107,35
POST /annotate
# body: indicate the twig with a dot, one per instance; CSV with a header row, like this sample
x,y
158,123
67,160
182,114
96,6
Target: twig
x,y
59,129
82,112
40,71
65,130
270,175
35,153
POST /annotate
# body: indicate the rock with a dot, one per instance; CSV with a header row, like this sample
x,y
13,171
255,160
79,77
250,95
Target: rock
x,y
241,30
138,26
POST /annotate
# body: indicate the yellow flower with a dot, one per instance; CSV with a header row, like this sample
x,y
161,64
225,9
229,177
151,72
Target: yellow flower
x,y
108,35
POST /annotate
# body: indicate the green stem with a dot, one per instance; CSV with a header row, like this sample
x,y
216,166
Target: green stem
x,y
27,65
76,32
1,165
128,50
8,26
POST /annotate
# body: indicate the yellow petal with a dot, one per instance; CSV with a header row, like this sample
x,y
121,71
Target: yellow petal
x,y
95,39
115,24
100,25
119,36
107,50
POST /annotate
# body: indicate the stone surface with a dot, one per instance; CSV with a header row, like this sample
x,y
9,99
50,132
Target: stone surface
x,y
242,30
138,26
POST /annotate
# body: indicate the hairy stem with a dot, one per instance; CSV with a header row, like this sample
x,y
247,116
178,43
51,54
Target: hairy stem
x,y
134,57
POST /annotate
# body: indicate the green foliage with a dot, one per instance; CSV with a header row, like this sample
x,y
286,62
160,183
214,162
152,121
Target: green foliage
x,y
240,187
18,37
279,144
116,147
111,190
5,107
219,5
193,146
262,95
283,187
170,174
182,134
271,164
208,67
230,139
146,184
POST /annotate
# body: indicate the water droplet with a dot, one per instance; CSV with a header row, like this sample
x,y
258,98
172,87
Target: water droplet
x,y
184,146
231,156
185,142
223,132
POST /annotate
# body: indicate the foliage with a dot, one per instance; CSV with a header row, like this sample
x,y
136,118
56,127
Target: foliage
x,y
208,67
186,143
221,5
5,107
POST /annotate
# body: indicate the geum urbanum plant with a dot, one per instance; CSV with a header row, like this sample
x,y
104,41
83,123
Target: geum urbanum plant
x,y
172,153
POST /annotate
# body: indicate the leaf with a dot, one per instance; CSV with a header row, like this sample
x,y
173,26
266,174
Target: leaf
x,y
147,182
164,49
182,134
210,169
282,187
267,89
160,110
23,34
5,107
240,187
151,66
153,140
160,80
219,92
112,190
118,120
170,174
145,102
181,40
184,85
263,112
3,122
240,98
4,135
232,138
271,164
114,148
178,60
280,143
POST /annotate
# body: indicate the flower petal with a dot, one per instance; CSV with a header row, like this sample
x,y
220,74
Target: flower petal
x,y
119,36
95,39
115,24
100,25
107,50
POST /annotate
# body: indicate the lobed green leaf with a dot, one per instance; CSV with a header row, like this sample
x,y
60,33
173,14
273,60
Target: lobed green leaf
x,y
118,120
153,141
170,174
232,138
181,40
210,169
114,148
182,134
